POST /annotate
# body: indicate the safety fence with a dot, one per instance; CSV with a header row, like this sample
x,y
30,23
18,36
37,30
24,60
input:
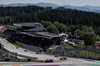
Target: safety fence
x,y
79,53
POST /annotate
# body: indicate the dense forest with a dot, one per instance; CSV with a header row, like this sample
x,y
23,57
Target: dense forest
x,y
73,19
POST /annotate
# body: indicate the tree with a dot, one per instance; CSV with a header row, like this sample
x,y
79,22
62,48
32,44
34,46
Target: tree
x,y
52,29
7,20
72,28
62,15
46,23
61,27
48,8
98,38
1,20
77,33
70,35
88,35
75,36
60,8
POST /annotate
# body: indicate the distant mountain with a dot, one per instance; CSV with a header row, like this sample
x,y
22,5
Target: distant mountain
x,y
76,7
42,4
46,5
14,4
84,8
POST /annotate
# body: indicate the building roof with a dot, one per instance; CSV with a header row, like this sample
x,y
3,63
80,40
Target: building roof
x,y
33,33
30,26
41,34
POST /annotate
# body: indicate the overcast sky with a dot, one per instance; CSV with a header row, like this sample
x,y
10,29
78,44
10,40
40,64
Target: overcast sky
x,y
58,2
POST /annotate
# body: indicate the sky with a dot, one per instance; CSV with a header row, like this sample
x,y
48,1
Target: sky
x,y
58,2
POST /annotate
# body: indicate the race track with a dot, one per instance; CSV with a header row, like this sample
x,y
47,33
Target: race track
x,y
57,61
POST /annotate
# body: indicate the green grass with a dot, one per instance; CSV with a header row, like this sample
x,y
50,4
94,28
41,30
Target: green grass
x,y
68,47
12,43
79,45
37,61
93,64
48,50
6,39
15,45
5,57
89,53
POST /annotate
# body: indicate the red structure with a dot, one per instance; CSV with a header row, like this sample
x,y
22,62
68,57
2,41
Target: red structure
x,y
97,44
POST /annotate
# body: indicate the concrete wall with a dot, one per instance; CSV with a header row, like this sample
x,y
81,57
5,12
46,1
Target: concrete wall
x,y
30,47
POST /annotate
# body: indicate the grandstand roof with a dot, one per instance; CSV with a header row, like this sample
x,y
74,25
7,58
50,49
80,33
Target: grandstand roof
x,y
33,33
41,34
29,26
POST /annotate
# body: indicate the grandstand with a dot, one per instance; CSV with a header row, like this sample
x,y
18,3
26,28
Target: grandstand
x,y
31,34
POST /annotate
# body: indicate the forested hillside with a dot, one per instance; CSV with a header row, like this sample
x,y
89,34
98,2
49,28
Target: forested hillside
x,y
73,19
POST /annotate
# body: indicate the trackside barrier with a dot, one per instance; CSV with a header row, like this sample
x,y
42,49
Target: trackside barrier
x,y
78,53
29,47
34,58
17,60
8,53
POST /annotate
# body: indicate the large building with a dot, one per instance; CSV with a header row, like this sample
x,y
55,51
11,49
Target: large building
x,y
30,34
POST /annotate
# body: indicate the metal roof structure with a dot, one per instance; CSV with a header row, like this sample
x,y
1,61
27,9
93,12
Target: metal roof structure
x,y
43,34
29,26
32,33
40,34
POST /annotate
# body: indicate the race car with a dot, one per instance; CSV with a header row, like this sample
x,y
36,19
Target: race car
x,y
63,58
56,55
38,52
47,61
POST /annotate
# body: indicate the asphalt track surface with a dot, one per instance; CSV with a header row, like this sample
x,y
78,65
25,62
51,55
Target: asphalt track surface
x,y
43,56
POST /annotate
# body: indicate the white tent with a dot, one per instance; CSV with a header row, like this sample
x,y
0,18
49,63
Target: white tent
x,y
65,40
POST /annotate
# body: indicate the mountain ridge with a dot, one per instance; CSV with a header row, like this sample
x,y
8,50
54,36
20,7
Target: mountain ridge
x,y
42,4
